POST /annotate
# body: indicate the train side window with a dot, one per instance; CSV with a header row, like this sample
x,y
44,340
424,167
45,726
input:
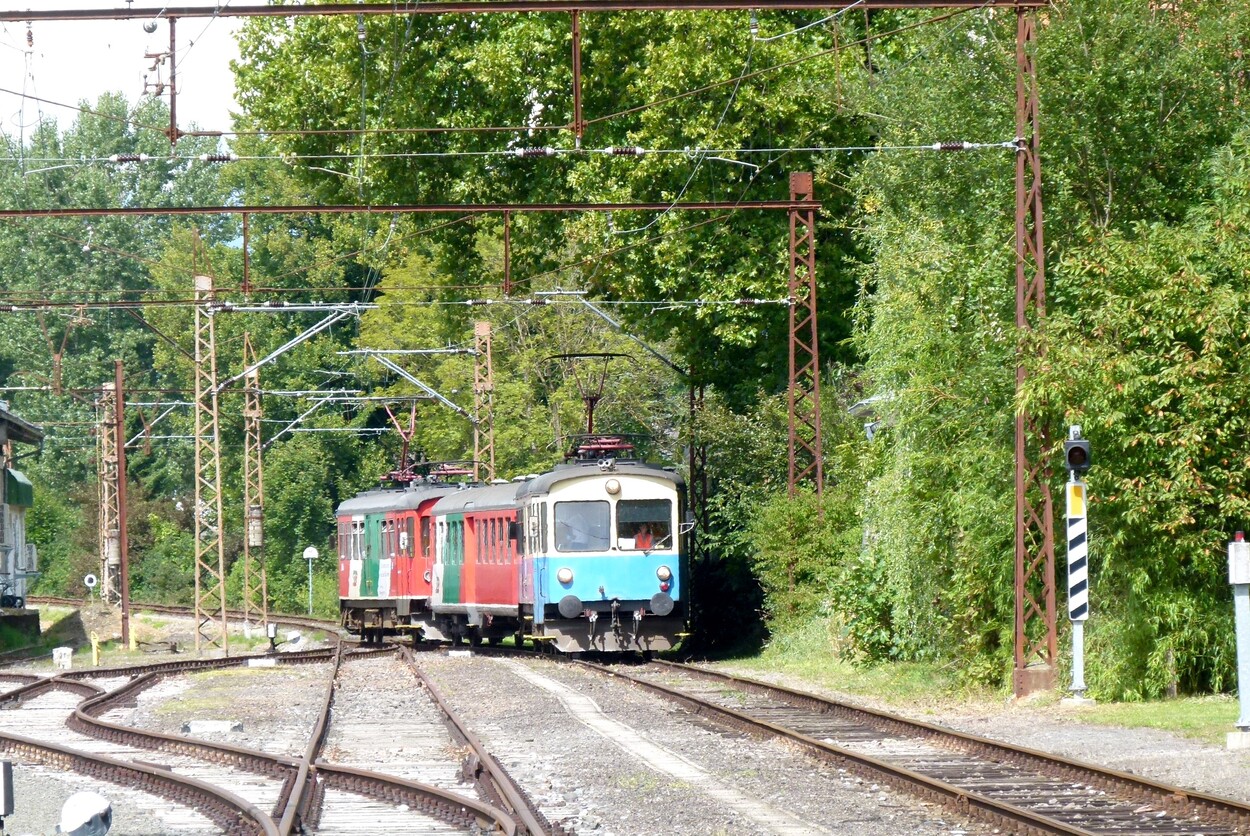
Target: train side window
x,y
342,539
542,513
412,540
425,537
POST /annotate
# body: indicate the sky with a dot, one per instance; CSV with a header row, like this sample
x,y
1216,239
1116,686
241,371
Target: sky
x,y
72,61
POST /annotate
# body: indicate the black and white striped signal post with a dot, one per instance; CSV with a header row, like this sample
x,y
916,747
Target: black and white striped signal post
x,y
1076,459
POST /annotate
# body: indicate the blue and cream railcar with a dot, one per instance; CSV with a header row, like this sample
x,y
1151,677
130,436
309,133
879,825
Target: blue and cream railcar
x,y
602,556
386,558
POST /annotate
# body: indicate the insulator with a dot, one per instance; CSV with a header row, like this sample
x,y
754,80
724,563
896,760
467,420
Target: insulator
x,y
7,308
748,301
128,158
535,152
754,25
951,146
626,151
218,158
30,37
273,304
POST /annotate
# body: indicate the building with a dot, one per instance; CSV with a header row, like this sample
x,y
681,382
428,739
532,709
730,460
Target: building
x,y
19,564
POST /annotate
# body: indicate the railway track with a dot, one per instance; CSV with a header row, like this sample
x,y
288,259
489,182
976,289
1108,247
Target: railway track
x,y
1020,789
69,724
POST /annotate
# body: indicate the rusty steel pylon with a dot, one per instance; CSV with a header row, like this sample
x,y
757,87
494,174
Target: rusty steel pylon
x,y
255,582
483,402
1036,641
109,519
210,551
805,449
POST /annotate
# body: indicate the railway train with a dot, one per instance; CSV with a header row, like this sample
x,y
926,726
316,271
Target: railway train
x,y
589,556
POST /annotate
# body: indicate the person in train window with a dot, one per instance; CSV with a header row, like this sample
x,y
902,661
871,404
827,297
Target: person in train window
x,y
643,539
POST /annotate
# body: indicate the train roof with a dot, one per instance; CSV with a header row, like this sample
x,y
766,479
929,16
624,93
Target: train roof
x,y
391,499
580,470
485,498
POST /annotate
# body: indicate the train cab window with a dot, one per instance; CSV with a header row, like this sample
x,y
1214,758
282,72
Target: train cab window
x,y
343,540
582,526
644,524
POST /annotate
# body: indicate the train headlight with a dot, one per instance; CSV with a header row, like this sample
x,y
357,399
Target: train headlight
x,y
612,486
664,573
565,575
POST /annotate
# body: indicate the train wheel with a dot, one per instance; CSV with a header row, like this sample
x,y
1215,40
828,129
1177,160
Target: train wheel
x,y
475,637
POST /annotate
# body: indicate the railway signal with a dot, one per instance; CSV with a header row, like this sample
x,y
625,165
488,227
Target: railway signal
x,y
1076,453
1076,459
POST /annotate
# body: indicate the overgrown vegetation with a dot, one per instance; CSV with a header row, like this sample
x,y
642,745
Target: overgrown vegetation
x,y
909,557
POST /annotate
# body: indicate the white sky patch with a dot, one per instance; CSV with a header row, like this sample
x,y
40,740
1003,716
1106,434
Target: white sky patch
x,y
69,61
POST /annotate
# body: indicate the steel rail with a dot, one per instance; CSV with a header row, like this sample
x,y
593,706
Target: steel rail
x,y
298,775
485,769
300,798
897,776
227,810
412,209
1126,784
500,7
1136,784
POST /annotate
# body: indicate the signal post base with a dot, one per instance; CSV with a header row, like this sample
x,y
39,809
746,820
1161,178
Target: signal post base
x,y
1239,740
1077,702
1033,679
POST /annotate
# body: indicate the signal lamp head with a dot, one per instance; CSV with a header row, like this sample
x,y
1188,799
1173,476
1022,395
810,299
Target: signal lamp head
x,y
1076,455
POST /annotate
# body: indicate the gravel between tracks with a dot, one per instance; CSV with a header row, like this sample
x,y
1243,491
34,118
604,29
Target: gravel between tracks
x,y
596,788
600,790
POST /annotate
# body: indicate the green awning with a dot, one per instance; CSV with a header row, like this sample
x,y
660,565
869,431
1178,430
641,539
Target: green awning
x,y
17,489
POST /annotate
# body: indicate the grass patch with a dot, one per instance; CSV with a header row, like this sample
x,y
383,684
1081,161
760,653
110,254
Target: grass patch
x,y
810,653
1207,719
808,658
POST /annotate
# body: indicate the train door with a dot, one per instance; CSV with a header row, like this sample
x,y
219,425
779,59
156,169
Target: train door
x,y
355,553
386,558
372,556
453,559
424,565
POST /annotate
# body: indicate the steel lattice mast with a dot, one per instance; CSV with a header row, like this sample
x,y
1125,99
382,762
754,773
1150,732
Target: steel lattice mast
x,y
483,402
109,521
255,582
210,552
806,452
1036,642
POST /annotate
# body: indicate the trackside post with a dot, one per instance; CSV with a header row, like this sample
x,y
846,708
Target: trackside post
x,y
1077,460
1239,578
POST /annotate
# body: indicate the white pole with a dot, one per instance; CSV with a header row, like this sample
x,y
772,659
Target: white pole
x,y
310,554
1239,578
1078,658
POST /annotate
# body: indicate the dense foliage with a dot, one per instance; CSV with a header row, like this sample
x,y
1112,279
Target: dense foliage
x,y
909,555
